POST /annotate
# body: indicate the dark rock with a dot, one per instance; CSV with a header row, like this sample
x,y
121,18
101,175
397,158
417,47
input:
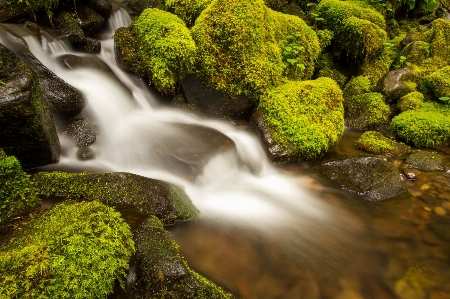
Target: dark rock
x,y
392,85
416,52
411,174
214,103
91,62
33,28
66,26
407,40
89,45
369,177
89,20
159,268
102,7
80,130
85,153
62,98
136,7
28,131
426,161
11,13
121,190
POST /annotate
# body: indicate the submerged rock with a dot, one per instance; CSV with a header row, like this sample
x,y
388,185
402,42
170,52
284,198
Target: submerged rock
x,y
161,270
28,131
428,161
371,178
62,98
121,190
213,103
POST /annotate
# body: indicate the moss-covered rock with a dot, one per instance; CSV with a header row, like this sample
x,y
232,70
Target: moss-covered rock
x,y
416,52
187,10
440,39
301,120
161,271
411,101
367,111
357,86
157,46
122,190
17,9
377,143
327,68
438,83
75,250
395,84
427,126
18,196
428,161
136,7
245,47
358,28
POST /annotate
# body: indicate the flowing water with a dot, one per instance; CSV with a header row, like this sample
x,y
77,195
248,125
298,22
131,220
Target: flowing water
x,y
264,232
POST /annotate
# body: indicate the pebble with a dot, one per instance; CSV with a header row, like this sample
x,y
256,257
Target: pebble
x,y
440,211
415,193
425,187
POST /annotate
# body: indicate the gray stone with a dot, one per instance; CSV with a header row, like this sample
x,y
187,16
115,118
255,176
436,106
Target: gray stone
x,y
392,85
79,130
428,161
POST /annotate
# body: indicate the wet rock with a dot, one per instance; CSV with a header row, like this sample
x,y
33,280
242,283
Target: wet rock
x,y
427,161
85,153
66,26
411,174
160,269
135,7
407,40
371,178
28,131
121,190
392,85
89,20
214,103
103,7
10,12
33,28
62,98
79,130
89,45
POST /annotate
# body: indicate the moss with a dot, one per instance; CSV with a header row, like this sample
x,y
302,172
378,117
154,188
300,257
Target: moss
x,y
157,45
240,46
425,160
428,126
187,10
440,39
307,116
276,4
36,5
438,82
411,101
367,111
18,196
75,250
163,272
358,28
325,38
148,196
357,86
415,52
377,143
328,69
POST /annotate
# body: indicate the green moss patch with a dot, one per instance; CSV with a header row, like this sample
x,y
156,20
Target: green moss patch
x,y
75,250
411,101
306,116
148,196
428,126
18,196
358,28
158,46
187,10
376,143
439,83
367,110
245,47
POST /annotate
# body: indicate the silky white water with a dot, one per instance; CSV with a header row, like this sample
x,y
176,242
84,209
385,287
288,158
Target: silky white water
x,y
134,131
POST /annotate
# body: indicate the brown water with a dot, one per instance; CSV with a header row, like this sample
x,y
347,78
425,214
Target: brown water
x,y
397,248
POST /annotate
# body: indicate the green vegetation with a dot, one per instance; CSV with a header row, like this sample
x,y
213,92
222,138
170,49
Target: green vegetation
x,y
75,250
438,82
411,101
148,196
358,28
306,116
427,126
376,143
158,46
158,255
367,110
241,44
357,86
187,10
18,196
328,69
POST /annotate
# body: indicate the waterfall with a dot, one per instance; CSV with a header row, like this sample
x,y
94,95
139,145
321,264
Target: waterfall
x,y
240,186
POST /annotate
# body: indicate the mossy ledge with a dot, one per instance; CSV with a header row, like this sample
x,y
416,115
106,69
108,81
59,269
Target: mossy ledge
x,y
75,250
376,143
304,118
121,190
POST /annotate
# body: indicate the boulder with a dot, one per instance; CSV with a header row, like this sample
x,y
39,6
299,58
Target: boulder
x,y
122,190
62,98
79,130
102,7
136,7
28,131
89,20
159,269
371,178
377,143
428,161
393,85
213,103
367,111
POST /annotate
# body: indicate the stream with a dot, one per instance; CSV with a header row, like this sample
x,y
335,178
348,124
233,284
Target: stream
x,y
265,231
